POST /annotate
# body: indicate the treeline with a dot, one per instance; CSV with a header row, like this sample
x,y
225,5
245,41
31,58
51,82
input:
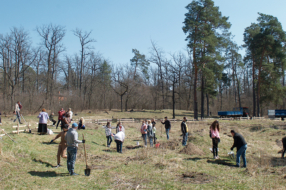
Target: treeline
x,y
210,75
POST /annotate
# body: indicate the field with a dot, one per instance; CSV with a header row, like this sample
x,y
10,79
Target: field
x,y
29,163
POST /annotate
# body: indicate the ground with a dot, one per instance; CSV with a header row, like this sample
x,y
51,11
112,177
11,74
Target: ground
x,y
29,163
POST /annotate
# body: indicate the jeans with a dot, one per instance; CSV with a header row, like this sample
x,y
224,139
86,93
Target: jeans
x,y
241,152
151,141
215,146
18,117
185,139
71,158
58,123
144,136
167,133
109,140
119,146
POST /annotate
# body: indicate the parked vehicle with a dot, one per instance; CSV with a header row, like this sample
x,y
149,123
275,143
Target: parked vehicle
x,y
277,114
237,112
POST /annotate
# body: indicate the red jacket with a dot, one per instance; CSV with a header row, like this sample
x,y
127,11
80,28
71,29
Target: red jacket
x,y
61,113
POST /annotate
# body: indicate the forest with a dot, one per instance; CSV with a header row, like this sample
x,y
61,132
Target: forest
x,y
209,75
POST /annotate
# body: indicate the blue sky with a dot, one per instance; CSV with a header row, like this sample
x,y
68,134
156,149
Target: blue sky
x,y
122,25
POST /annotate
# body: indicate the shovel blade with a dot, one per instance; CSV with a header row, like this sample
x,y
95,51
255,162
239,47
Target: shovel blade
x,y
87,172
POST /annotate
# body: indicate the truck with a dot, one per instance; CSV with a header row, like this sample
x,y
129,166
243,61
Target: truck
x,y
277,114
236,112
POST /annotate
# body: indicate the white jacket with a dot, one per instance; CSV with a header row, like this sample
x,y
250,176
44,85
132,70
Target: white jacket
x,y
71,113
120,136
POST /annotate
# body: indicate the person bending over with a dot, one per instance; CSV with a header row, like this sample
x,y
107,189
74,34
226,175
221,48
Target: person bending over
x,y
241,147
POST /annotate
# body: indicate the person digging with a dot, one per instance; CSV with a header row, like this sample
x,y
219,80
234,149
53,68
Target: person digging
x,y
62,146
72,145
241,146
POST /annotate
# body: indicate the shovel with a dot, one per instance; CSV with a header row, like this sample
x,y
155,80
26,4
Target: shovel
x,y
87,170
8,136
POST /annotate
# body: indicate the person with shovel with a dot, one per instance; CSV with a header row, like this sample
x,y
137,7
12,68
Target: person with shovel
x,y
62,146
167,124
184,129
72,145
241,147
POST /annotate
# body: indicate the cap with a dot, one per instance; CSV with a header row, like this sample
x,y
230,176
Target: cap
x,y
74,125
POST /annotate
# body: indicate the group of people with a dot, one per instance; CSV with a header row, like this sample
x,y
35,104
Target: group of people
x,y
63,119
118,137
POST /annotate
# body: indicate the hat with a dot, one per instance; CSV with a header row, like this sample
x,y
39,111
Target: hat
x,y
74,125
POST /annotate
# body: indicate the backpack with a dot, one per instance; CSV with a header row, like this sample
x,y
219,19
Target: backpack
x,y
20,106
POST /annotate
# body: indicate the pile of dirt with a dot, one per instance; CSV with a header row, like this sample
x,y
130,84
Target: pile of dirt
x,y
171,144
279,133
160,166
191,149
255,128
196,178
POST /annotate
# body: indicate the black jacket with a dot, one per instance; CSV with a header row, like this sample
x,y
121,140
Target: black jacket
x,y
184,127
238,141
284,142
167,124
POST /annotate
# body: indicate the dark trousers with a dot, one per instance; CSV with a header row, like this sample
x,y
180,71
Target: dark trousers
x,y
71,158
119,146
109,140
58,123
154,138
215,146
144,136
54,121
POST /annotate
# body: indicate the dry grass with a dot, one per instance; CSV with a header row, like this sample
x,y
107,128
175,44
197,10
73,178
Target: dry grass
x,y
28,163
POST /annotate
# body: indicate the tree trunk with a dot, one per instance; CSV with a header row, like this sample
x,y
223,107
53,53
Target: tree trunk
x,y
253,88
202,96
208,105
174,100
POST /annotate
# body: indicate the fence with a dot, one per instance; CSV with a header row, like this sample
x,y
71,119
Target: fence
x,y
21,126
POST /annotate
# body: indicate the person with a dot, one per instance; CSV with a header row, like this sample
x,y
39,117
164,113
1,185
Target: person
x,y
51,117
70,113
154,129
66,120
150,133
72,145
120,128
61,113
119,139
108,133
284,147
167,124
62,146
81,123
241,146
17,112
184,129
144,132
214,131
43,119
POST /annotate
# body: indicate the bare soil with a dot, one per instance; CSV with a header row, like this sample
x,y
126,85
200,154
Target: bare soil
x,y
196,178
191,149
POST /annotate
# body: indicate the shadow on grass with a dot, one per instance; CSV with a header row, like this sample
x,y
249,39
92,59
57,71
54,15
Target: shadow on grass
x,y
47,174
196,158
97,143
48,143
43,162
221,162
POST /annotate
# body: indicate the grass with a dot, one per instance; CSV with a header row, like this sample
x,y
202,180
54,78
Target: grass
x,y
28,164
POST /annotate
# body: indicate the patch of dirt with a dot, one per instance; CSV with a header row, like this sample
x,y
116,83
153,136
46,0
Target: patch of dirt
x,y
171,144
279,133
278,126
255,128
96,157
133,147
160,166
97,167
196,178
191,149
279,143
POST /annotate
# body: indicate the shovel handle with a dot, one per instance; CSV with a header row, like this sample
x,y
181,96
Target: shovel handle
x,y
84,151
